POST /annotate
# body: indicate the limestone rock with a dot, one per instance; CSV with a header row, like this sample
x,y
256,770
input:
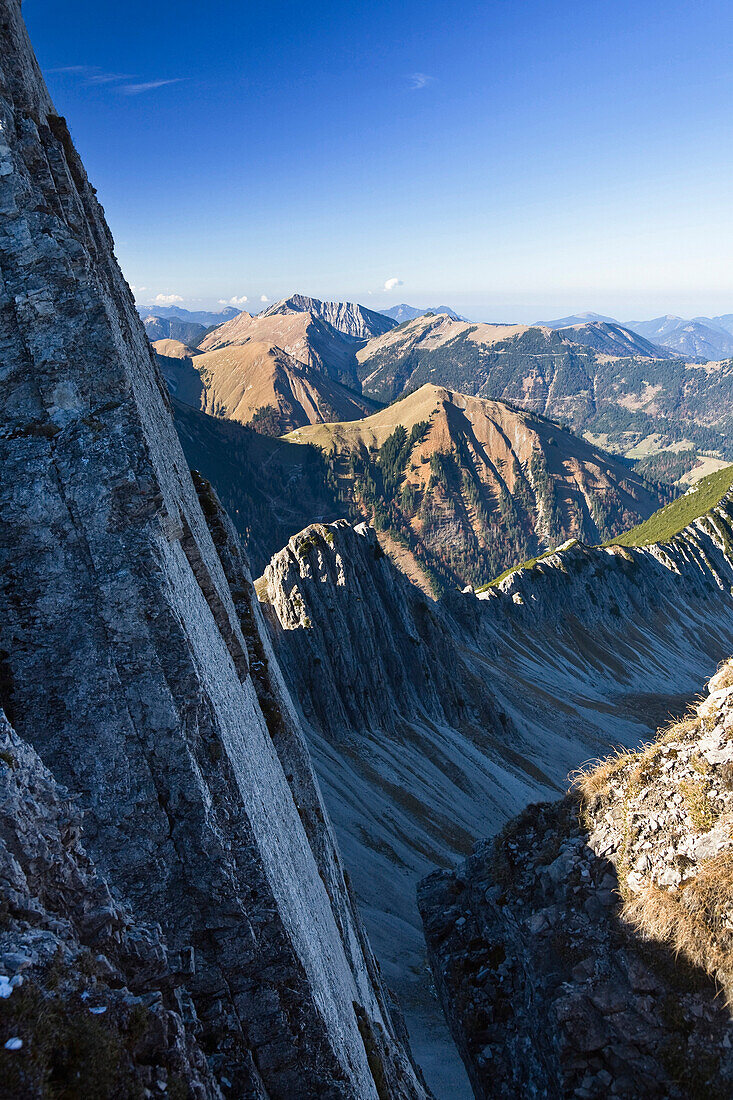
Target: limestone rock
x,y
124,662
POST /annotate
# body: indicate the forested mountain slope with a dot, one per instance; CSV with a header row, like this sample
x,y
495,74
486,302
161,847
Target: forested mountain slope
x,y
461,488
621,400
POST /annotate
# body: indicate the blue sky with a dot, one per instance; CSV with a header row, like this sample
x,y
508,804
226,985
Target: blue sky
x,y
516,160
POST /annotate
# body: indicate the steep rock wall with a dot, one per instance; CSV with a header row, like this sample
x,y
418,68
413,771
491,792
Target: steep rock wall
x,y
89,1004
123,659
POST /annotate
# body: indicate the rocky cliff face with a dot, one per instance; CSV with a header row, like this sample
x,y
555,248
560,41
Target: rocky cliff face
x,y
126,657
431,724
89,996
587,952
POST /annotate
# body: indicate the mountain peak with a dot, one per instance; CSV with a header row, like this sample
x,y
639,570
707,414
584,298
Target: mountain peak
x,y
349,318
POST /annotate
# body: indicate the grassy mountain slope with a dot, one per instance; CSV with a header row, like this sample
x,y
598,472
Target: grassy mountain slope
x,y
259,384
305,336
460,487
674,517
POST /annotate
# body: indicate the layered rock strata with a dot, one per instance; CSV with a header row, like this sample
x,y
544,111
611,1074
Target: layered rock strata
x,y
124,662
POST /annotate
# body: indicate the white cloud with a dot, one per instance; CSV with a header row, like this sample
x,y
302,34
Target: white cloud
x,y
264,298
233,301
167,299
147,86
392,284
138,290
420,80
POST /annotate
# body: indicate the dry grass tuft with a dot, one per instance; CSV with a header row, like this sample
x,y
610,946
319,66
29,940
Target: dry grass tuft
x,y
725,672
592,779
696,794
696,921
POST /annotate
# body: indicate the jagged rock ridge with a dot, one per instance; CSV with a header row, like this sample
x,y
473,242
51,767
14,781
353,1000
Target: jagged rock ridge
x,y
477,707
587,952
130,660
347,317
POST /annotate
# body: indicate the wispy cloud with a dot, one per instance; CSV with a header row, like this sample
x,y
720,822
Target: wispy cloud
x,y
167,299
393,283
147,86
264,298
108,78
78,70
233,301
420,80
93,76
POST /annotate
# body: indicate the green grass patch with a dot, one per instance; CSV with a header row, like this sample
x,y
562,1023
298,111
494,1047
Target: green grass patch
x,y
525,565
674,517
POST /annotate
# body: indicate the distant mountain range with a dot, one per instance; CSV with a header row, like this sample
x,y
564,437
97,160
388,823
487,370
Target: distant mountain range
x,y
204,317
709,338
577,319
403,312
313,359
702,337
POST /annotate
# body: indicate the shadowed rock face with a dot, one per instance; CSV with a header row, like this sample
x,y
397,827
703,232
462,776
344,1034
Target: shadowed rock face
x,y
588,951
124,659
89,992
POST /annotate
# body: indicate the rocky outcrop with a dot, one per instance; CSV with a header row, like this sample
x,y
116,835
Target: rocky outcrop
x,y
432,723
125,663
587,952
90,1002
349,318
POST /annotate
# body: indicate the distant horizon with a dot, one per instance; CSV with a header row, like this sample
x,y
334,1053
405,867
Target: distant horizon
x,y
209,305
514,163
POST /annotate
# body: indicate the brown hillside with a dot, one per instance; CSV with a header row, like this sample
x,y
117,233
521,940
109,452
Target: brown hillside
x,y
480,485
260,384
305,337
